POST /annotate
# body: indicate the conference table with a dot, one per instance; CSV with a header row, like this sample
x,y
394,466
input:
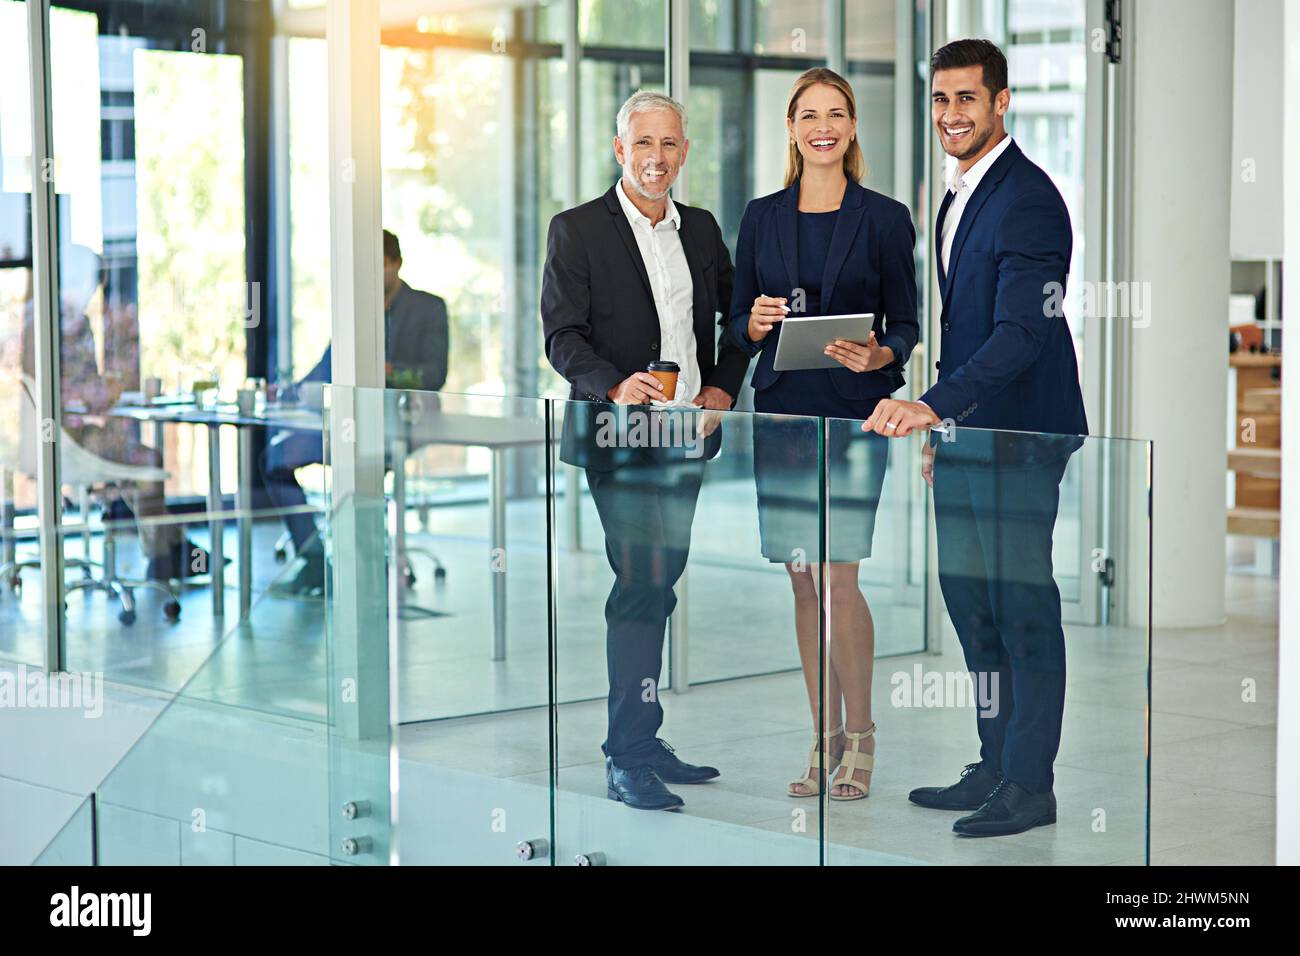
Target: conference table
x,y
413,421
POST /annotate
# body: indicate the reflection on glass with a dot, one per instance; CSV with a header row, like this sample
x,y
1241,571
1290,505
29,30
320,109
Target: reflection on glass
x,y
21,625
689,603
1013,693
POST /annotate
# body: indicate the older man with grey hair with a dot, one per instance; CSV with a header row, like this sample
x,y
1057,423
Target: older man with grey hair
x,y
634,279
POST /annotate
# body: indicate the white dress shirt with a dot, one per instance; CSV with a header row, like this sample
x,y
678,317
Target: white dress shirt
x,y
963,186
670,283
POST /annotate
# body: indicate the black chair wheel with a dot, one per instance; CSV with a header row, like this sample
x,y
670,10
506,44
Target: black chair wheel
x,y
281,556
127,617
410,579
173,610
440,574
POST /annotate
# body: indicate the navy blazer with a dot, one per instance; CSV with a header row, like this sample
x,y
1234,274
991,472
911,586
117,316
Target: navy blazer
x,y
1006,358
870,268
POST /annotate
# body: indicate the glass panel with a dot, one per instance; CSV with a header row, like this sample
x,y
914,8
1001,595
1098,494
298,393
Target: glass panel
x,y
154,296
152,620
767,27
622,23
1044,43
687,535
309,229
74,845
1060,710
42,824
467,539
22,628
236,770
472,128
737,110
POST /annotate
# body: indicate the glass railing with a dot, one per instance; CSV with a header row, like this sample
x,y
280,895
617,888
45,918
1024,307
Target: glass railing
x,y
33,812
74,844
746,584
156,572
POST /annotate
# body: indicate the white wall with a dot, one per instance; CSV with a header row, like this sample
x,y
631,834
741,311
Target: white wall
x,y
1256,132
1182,115
1288,709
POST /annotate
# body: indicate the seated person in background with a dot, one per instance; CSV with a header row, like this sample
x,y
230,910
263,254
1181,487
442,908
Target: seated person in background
x,y
87,394
415,357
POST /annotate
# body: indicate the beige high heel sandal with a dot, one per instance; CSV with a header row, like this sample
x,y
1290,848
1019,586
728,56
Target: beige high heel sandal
x,y
829,763
854,759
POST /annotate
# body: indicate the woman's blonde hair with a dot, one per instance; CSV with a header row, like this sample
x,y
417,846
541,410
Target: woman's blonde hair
x,y
855,167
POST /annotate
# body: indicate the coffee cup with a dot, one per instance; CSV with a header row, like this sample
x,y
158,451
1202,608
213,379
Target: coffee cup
x,y
667,373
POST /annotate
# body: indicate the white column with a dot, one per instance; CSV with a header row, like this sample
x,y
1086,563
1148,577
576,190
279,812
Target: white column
x,y
362,703
1180,189
1288,708
356,452
45,272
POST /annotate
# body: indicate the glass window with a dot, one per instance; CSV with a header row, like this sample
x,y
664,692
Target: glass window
x,y
149,148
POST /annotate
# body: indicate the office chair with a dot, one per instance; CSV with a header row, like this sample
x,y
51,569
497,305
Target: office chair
x,y
86,471
405,551
284,543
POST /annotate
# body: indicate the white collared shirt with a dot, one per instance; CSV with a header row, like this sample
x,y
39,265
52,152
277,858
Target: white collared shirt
x,y
671,285
963,186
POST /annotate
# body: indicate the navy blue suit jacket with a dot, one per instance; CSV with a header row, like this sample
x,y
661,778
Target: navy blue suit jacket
x,y
869,268
1006,359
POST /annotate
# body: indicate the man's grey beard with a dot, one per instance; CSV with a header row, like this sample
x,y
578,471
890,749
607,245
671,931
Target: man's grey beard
x,y
641,190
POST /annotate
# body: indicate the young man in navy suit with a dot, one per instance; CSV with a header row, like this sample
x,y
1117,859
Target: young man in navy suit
x,y
1007,371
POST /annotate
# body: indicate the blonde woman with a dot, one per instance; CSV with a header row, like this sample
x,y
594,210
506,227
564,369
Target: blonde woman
x,y
828,246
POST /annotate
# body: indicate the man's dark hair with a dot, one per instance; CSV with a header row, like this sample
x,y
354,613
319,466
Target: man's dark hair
x,y
392,248
982,53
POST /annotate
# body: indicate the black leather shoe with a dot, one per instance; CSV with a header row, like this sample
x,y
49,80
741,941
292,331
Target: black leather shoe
x,y
640,788
969,793
672,769
1009,809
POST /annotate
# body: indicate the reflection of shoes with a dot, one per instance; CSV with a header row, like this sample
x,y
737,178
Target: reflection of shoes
x,y
640,788
969,793
1009,809
828,762
672,769
185,560
854,759
310,579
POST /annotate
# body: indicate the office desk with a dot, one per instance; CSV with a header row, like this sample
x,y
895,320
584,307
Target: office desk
x,y
409,427
212,419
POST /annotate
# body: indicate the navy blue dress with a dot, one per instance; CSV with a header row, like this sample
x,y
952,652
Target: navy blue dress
x,y
785,452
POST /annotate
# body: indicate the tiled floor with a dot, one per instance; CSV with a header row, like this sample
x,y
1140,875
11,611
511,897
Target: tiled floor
x,y
1213,748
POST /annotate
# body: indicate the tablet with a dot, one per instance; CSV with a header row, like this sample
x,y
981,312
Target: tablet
x,y
803,340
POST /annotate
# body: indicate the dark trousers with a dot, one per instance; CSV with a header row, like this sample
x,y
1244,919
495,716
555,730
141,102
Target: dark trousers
x,y
646,512
994,526
286,453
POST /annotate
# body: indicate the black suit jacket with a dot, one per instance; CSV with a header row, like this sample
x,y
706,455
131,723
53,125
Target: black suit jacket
x,y
600,322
